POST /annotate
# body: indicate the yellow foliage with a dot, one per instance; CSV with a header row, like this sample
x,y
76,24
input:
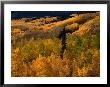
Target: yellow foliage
x,y
16,30
41,57
73,26
41,67
89,26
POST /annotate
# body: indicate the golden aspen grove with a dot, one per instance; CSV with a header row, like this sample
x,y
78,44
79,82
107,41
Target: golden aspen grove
x,y
36,48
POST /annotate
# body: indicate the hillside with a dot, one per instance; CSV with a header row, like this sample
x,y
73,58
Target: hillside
x,y
36,46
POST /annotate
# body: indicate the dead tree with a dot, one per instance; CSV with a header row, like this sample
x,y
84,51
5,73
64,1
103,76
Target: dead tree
x,y
62,36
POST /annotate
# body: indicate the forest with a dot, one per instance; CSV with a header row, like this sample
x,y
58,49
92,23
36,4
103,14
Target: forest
x,y
37,49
